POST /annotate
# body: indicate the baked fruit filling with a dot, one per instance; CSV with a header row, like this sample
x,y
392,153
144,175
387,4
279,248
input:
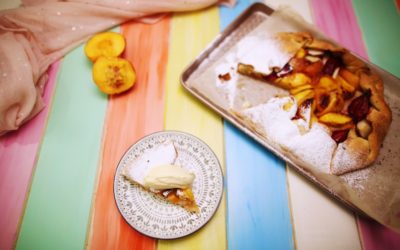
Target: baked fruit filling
x,y
343,93
180,196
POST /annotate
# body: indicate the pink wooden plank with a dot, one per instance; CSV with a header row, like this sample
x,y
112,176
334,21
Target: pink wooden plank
x,y
337,19
375,236
18,152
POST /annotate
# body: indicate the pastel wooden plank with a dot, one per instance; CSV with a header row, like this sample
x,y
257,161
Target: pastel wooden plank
x,y
382,39
258,214
300,6
374,236
190,34
16,171
337,20
57,211
318,220
257,203
130,117
379,22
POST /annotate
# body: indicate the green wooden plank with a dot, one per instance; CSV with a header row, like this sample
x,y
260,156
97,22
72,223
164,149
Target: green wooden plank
x,y
57,211
380,22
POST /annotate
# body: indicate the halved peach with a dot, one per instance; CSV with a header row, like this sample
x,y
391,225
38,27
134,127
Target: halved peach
x,y
108,44
113,75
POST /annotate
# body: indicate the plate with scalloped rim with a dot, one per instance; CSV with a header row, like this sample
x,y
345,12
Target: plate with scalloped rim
x,y
155,217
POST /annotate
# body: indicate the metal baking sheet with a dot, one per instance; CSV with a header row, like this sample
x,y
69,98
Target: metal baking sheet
x,y
359,188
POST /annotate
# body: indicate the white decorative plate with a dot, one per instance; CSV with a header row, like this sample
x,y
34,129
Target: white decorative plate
x,y
151,215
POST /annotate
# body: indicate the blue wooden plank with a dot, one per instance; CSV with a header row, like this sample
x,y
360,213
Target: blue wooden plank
x,y
258,214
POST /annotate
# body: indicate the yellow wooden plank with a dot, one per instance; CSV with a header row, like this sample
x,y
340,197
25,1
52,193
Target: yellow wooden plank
x,y
190,34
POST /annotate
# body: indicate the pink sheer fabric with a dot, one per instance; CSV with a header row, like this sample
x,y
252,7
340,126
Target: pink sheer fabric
x,y
41,31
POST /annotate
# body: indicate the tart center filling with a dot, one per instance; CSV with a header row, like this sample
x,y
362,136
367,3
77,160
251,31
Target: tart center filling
x,y
320,78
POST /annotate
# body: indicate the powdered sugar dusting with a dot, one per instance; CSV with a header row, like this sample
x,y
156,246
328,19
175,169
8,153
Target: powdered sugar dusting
x,y
315,147
227,87
357,179
262,53
275,122
347,158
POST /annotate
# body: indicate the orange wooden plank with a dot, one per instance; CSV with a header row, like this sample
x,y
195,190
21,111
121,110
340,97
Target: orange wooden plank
x,y
130,116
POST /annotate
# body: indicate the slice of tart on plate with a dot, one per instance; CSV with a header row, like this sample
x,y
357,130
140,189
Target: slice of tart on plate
x,y
155,171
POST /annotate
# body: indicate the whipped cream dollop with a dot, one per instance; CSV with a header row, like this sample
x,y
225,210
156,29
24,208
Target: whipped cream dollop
x,y
168,176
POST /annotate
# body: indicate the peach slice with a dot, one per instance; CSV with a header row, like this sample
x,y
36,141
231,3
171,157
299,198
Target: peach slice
x,y
327,83
293,80
350,77
301,53
335,119
313,117
113,75
299,89
326,102
303,96
347,89
345,85
108,44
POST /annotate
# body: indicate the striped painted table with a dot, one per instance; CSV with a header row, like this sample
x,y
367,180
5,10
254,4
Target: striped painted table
x,y
56,173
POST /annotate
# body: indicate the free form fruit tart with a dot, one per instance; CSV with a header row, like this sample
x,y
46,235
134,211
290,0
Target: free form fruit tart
x,y
333,117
